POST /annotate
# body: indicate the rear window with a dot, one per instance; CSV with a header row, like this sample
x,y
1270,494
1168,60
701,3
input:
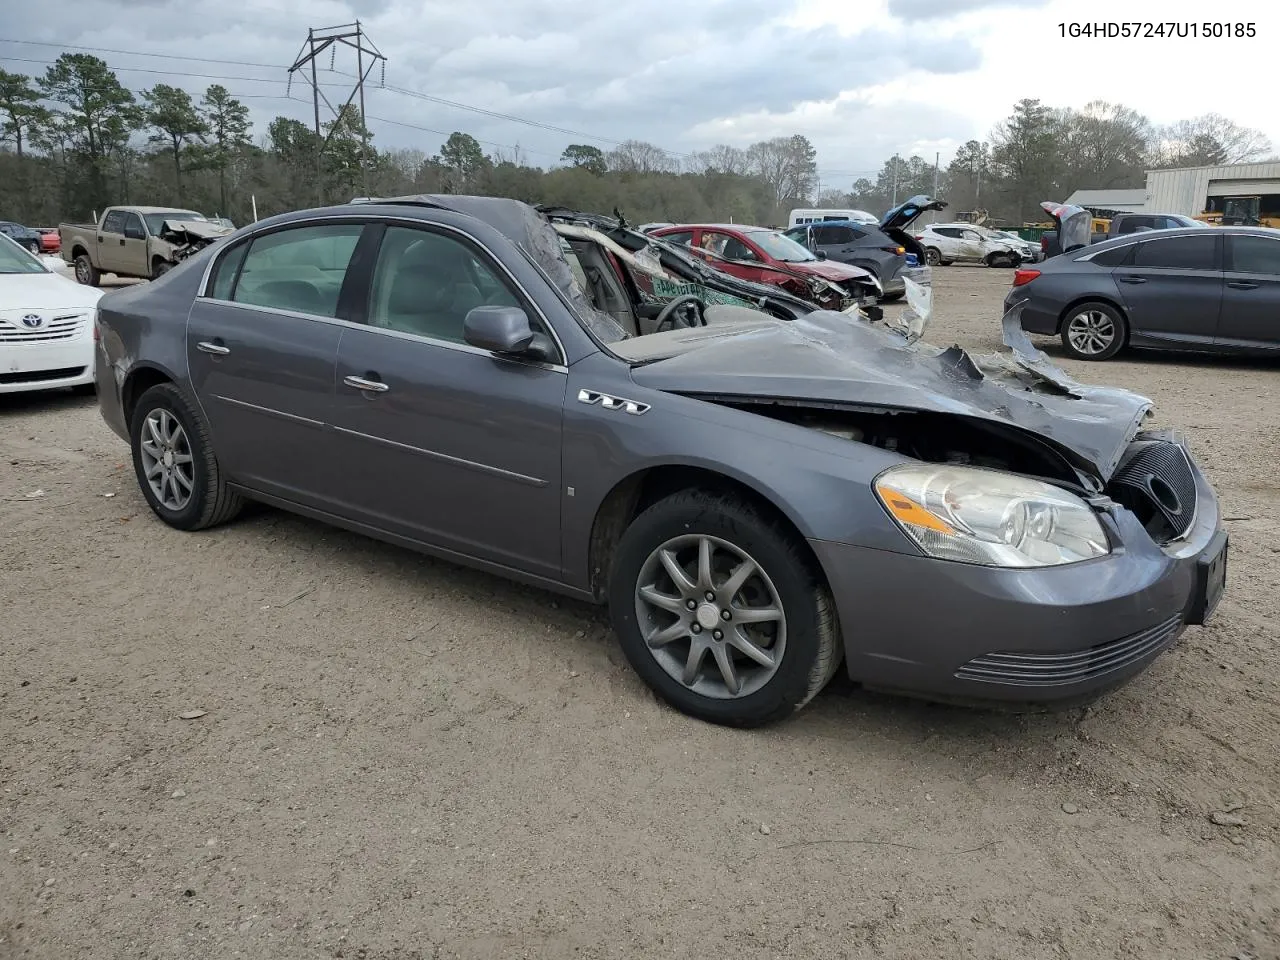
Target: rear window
x,y
1185,253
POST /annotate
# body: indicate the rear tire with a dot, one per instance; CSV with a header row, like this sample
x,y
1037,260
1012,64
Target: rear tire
x,y
1094,331
86,272
793,653
176,468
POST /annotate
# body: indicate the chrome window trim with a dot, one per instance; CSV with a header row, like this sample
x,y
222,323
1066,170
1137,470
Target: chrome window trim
x,y
408,221
398,334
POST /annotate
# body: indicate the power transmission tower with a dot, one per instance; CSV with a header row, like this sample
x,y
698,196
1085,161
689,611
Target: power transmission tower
x,y
320,39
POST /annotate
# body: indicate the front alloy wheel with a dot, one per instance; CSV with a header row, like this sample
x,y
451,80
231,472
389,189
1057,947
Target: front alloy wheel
x,y
710,616
721,609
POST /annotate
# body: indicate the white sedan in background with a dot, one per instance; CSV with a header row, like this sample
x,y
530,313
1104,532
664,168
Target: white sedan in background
x,y
46,325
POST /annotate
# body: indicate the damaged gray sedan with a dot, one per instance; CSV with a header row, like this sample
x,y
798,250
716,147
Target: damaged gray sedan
x,y
761,493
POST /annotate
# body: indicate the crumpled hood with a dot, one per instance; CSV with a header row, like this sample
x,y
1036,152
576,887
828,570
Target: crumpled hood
x,y
830,270
826,359
197,229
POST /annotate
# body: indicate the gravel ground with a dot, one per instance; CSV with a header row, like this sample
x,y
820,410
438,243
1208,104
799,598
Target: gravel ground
x,y
399,758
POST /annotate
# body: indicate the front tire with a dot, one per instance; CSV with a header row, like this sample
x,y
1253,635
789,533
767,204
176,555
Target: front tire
x,y
932,256
1094,331
160,268
765,642
86,272
174,462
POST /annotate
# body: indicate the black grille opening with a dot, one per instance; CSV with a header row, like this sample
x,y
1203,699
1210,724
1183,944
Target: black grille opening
x,y
39,376
1155,482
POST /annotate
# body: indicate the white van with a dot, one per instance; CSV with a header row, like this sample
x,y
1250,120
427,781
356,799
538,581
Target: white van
x,y
800,217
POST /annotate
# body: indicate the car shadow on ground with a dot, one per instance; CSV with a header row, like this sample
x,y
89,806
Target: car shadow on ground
x,y
584,633
1157,358
43,401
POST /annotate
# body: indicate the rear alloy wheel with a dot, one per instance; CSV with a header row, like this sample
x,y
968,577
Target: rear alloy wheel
x,y
174,462
1093,331
720,611
932,256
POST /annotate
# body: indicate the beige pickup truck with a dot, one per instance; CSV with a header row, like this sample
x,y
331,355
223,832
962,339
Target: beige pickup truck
x,y
136,241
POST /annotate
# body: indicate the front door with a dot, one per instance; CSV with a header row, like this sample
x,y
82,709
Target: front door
x,y
1172,288
1251,294
440,441
262,346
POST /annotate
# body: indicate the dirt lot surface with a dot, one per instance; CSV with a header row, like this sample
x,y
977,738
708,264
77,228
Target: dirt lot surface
x,y
398,758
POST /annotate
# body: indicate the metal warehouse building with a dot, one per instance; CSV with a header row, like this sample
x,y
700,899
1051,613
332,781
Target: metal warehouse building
x,y
1193,190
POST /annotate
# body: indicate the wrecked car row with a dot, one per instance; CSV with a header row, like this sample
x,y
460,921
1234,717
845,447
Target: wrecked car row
x,y
761,491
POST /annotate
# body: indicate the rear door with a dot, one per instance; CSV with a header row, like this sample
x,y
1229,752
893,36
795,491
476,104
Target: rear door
x,y
440,441
1251,294
131,252
1172,288
262,345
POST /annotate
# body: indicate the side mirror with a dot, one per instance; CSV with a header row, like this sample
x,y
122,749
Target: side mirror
x,y
505,330
820,255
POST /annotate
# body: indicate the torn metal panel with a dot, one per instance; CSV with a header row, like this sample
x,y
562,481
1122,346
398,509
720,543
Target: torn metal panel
x,y
824,358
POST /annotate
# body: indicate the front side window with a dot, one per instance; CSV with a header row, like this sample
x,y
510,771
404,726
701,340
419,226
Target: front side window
x,y
426,283
301,269
1186,253
132,228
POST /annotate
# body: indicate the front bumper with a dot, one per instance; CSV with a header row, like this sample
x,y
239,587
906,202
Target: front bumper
x,y
47,364
956,631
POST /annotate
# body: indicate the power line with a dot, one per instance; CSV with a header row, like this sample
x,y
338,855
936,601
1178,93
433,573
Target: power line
x,y
404,91
139,53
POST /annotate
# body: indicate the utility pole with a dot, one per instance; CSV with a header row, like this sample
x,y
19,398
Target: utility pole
x,y
318,40
896,163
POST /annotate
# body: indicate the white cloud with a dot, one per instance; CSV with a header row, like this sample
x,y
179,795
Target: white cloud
x,y
860,80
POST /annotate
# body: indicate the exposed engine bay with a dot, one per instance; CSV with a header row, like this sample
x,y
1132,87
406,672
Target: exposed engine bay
x,y
188,237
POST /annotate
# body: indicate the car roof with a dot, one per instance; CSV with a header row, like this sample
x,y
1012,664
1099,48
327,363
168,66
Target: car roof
x,y
130,208
740,227
835,223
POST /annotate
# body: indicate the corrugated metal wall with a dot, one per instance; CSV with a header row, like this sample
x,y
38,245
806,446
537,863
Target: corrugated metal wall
x,y
1184,191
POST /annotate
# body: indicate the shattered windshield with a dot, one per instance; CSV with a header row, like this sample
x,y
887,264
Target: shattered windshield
x,y
780,247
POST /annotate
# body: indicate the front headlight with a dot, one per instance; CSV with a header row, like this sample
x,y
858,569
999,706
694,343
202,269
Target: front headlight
x,y
988,517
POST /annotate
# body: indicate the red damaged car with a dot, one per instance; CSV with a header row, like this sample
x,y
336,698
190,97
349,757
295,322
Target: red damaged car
x,y
766,256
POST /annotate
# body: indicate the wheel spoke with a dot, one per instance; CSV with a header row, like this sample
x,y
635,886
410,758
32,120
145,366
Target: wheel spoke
x,y
741,574
693,663
724,660
181,458
677,631
677,572
755,652
662,601
157,440
704,564
756,614
183,479
156,468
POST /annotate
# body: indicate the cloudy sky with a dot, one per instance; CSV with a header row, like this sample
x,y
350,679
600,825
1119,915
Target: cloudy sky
x,y
860,78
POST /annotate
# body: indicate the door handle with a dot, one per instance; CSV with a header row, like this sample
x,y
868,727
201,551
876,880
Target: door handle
x,y
217,349
360,383
1241,285
1133,279
101,238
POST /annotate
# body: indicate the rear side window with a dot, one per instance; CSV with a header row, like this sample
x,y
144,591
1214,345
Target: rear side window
x,y
1255,255
113,223
301,269
224,273
1185,253
1115,257
1134,224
